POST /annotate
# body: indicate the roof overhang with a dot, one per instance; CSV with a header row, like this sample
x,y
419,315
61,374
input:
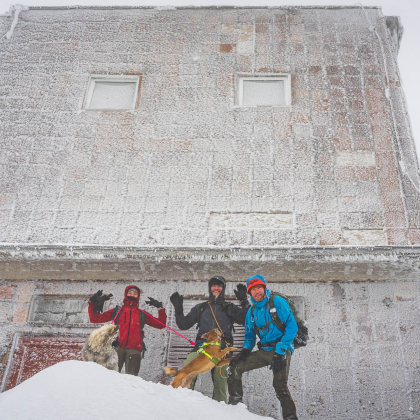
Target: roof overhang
x,y
292,264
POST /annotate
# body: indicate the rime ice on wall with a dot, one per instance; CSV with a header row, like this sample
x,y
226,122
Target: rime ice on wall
x,y
155,175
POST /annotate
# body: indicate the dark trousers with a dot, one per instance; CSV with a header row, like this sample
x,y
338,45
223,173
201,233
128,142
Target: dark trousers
x,y
256,360
131,358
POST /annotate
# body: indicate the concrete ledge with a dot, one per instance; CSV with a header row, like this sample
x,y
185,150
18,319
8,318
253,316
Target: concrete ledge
x,y
90,262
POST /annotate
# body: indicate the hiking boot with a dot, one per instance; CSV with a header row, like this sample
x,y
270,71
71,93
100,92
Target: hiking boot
x,y
234,399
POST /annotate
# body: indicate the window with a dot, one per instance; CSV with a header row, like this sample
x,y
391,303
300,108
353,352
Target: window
x,y
61,309
264,90
112,92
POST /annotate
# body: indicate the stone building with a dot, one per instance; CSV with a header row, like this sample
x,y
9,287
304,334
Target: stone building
x,y
160,146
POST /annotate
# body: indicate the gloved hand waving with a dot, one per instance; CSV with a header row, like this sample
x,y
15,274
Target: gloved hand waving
x,y
99,299
154,302
241,295
177,300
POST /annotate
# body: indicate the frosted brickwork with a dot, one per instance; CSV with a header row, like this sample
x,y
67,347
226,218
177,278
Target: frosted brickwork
x,y
250,221
154,175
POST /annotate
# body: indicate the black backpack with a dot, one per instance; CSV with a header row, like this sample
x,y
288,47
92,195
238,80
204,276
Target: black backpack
x,y
116,316
301,338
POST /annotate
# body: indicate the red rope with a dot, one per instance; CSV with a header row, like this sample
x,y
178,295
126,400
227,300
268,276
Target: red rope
x,y
117,314
185,338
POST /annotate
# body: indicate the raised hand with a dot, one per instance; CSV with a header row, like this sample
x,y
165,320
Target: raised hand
x,y
154,302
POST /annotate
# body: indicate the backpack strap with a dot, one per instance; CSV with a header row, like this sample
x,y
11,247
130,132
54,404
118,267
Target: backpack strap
x,y
275,316
116,314
256,329
142,324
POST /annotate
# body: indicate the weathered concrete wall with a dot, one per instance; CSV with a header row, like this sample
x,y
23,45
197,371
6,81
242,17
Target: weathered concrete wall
x,y
362,360
174,170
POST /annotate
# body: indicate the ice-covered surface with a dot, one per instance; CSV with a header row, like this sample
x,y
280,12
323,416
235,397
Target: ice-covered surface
x,y
348,263
362,359
84,390
160,174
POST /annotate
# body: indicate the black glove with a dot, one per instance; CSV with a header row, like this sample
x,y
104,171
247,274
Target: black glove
x,y
99,299
241,294
116,344
94,298
242,355
302,334
177,301
154,302
278,362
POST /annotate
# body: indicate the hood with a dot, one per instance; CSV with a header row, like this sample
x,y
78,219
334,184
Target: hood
x,y
221,297
261,280
128,301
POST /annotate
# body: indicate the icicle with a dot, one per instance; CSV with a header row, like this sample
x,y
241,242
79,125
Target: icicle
x,y
18,8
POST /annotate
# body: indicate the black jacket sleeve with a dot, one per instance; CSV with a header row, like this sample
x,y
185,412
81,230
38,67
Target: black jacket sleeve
x,y
238,313
185,322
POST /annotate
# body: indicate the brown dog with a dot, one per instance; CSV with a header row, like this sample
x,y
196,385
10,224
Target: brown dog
x,y
201,363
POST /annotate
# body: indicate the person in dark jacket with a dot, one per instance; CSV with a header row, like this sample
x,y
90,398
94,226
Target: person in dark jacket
x,y
130,342
215,313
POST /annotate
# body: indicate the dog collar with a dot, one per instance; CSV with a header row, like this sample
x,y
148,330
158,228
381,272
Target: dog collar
x,y
215,360
211,344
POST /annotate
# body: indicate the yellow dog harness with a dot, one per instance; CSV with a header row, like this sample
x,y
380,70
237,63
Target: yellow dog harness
x,y
215,360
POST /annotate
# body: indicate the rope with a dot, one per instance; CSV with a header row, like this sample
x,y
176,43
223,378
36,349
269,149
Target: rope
x,y
216,320
117,314
221,367
169,328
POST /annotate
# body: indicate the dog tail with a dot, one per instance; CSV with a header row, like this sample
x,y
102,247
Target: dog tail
x,y
171,371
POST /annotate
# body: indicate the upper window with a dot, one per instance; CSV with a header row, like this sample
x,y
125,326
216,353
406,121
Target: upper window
x,y
264,91
112,92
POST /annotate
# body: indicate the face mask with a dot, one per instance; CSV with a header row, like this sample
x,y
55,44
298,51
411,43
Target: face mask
x,y
131,297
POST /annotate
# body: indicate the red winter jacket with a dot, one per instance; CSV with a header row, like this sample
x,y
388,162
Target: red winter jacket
x,y
129,321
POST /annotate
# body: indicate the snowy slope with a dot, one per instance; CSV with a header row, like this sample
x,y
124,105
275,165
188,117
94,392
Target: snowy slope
x,y
86,391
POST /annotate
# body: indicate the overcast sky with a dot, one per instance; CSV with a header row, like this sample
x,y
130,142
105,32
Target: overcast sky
x,y
408,10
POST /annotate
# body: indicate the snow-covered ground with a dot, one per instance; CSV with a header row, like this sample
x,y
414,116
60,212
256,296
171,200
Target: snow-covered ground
x,y
85,391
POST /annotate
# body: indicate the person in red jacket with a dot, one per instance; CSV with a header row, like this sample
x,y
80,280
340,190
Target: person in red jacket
x,y
130,320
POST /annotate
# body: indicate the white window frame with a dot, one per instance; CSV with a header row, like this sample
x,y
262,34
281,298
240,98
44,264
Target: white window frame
x,y
110,78
286,78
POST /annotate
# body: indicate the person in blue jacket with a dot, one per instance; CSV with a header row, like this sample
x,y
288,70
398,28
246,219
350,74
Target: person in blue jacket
x,y
274,349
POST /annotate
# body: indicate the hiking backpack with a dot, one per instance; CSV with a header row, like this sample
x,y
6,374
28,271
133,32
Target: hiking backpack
x,y
301,338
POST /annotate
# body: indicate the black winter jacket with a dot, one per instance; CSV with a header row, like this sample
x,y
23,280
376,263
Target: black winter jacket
x,y
226,314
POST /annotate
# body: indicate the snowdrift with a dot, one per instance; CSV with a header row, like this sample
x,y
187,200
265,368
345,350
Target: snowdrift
x,y
86,391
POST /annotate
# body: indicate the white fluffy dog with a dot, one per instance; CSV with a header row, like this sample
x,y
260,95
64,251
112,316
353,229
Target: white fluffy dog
x,y
98,347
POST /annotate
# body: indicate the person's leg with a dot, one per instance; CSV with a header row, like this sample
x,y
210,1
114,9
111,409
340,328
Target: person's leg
x,y
189,359
132,361
255,360
219,375
282,391
121,357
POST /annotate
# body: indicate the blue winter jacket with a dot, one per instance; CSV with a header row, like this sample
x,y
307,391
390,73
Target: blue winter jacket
x,y
272,333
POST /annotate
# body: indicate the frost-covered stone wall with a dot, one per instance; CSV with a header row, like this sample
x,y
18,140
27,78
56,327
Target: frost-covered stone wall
x,y
189,184
188,166
362,360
